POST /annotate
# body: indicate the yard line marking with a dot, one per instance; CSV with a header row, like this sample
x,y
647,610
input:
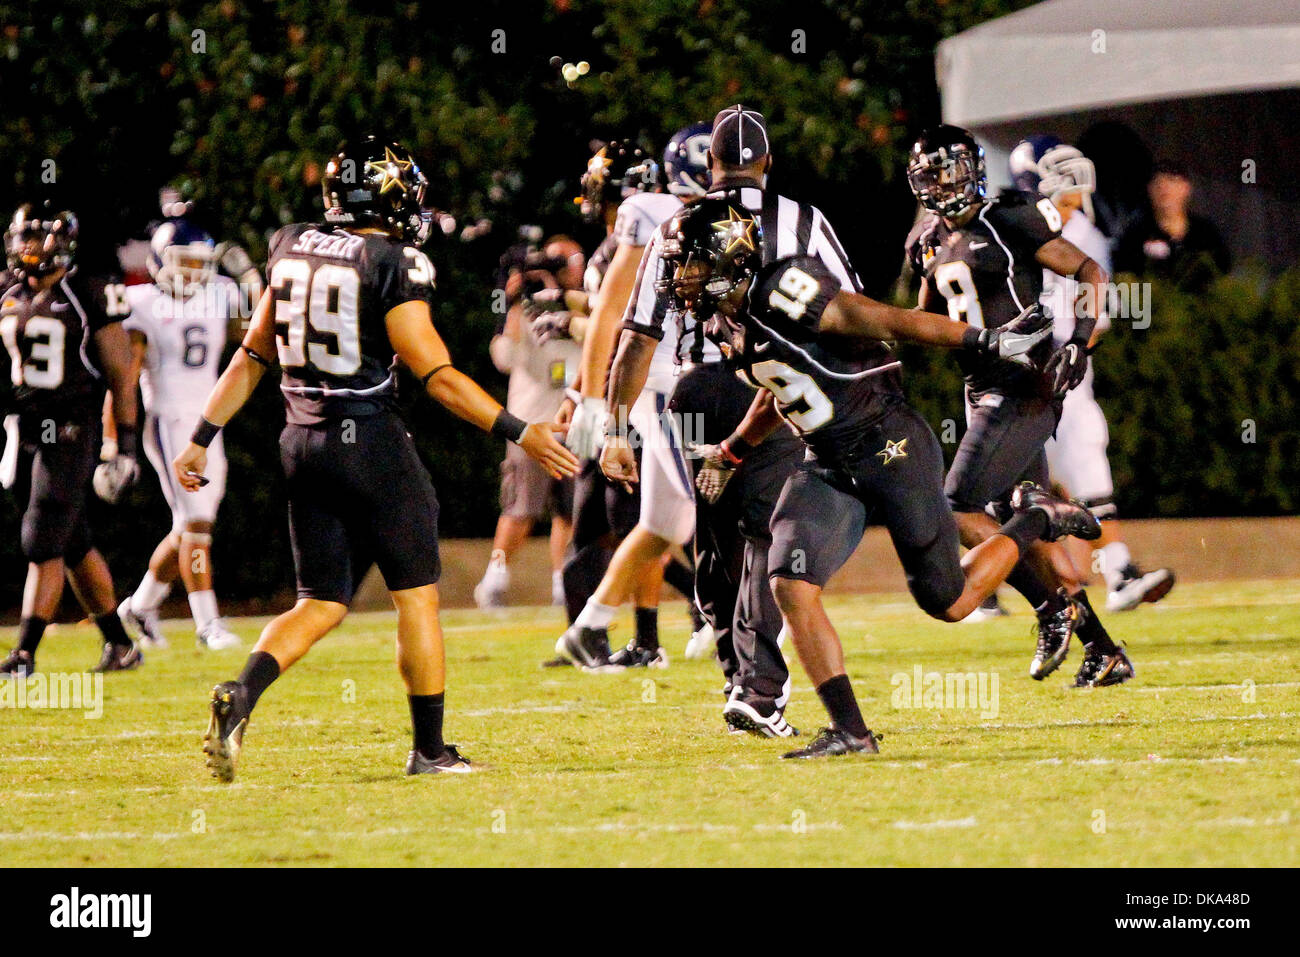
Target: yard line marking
x,y
935,825
1223,687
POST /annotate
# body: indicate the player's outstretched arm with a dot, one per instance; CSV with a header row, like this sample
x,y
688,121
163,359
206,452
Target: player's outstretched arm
x,y
627,378
1069,364
418,345
230,393
854,317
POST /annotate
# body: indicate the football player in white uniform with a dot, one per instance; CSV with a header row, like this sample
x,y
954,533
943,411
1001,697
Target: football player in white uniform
x,y
178,326
667,507
1045,166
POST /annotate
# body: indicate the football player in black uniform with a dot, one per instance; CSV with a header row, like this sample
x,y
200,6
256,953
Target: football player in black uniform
x,y
51,328
982,262
342,299
816,353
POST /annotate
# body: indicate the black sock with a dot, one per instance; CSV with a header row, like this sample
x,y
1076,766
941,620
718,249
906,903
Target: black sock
x,y
112,629
1025,528
426,722
697,618
842,705
680,577
647,628
1028,582
1091,631
259,671
30,632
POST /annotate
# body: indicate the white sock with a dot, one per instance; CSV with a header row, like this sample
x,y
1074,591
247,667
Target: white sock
x,y
203,605
497,574
594,615
150,594
1113,559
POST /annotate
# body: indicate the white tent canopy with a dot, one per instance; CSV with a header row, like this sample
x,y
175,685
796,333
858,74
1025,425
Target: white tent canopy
x,y
1067,55
1214,84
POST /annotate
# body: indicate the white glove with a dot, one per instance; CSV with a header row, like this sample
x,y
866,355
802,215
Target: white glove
x,y
114,477
715,472
587,428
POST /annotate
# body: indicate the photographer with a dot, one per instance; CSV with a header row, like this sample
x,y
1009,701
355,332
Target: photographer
x,y
538,347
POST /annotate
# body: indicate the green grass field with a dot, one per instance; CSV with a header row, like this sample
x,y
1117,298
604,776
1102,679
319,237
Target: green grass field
x,y
1196,762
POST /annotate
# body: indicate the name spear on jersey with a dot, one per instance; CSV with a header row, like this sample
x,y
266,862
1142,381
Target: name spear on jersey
x,y
740,230
390,168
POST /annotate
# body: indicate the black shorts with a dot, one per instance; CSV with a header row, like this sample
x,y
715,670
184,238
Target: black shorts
x,y
822,513
1003,446
358,493
54,466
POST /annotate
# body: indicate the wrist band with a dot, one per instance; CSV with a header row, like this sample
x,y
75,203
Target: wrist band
x,y
973,338
735,448
264,363
509,427
424,383
126,439
204,433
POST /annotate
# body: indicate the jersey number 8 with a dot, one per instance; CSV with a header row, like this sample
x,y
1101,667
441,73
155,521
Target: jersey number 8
x,y
324,301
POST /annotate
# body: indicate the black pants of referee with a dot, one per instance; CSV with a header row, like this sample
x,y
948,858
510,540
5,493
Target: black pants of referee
x,y
732,536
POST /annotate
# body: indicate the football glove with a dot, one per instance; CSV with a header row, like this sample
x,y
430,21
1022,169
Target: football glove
x,y
716,470
1067,367
550,325
587,428
1018,338
114,477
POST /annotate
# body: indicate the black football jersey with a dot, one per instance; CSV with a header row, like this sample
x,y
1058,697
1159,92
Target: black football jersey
x,y
987,272
827,396
331,290
48,339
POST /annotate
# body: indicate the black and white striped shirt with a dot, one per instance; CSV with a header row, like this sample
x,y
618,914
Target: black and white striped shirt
x,y
789,228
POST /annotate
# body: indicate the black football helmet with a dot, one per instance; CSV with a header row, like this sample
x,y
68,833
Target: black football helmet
x,y
377,183
40,240
618,169
946,170
710,247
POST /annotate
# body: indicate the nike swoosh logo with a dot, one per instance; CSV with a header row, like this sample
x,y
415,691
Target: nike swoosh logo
x,y
761,346
975,246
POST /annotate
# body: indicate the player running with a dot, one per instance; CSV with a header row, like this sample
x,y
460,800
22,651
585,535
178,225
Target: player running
x,y
51,329
985,259
1076,455
178,326
817,353
342,298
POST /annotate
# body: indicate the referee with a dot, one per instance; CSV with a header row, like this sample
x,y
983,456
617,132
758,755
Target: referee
x,y
731,536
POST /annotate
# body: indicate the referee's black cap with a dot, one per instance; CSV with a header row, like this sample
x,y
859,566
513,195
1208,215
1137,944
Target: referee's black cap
x,y
739,136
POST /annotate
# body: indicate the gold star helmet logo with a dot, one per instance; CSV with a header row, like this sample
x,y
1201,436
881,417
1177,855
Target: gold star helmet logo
x,y
738,230
390,169
893,450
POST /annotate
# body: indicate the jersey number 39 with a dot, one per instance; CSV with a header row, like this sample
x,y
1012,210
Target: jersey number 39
x,y
324,302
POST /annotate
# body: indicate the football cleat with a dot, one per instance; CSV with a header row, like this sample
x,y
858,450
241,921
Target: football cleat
x,y
1055,629
756,715
449,761
1137,587
588,648
226,724
18,664
703,644
1064,516
634,656
217,637
146,623
834,741
119,658
987,610
1100,669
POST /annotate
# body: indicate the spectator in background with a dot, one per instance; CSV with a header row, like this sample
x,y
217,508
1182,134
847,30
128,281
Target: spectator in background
x,y
538,347
1169,241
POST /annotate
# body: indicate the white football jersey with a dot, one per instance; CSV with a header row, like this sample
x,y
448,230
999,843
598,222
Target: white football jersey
x,y
639,218
185,341
1059,292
